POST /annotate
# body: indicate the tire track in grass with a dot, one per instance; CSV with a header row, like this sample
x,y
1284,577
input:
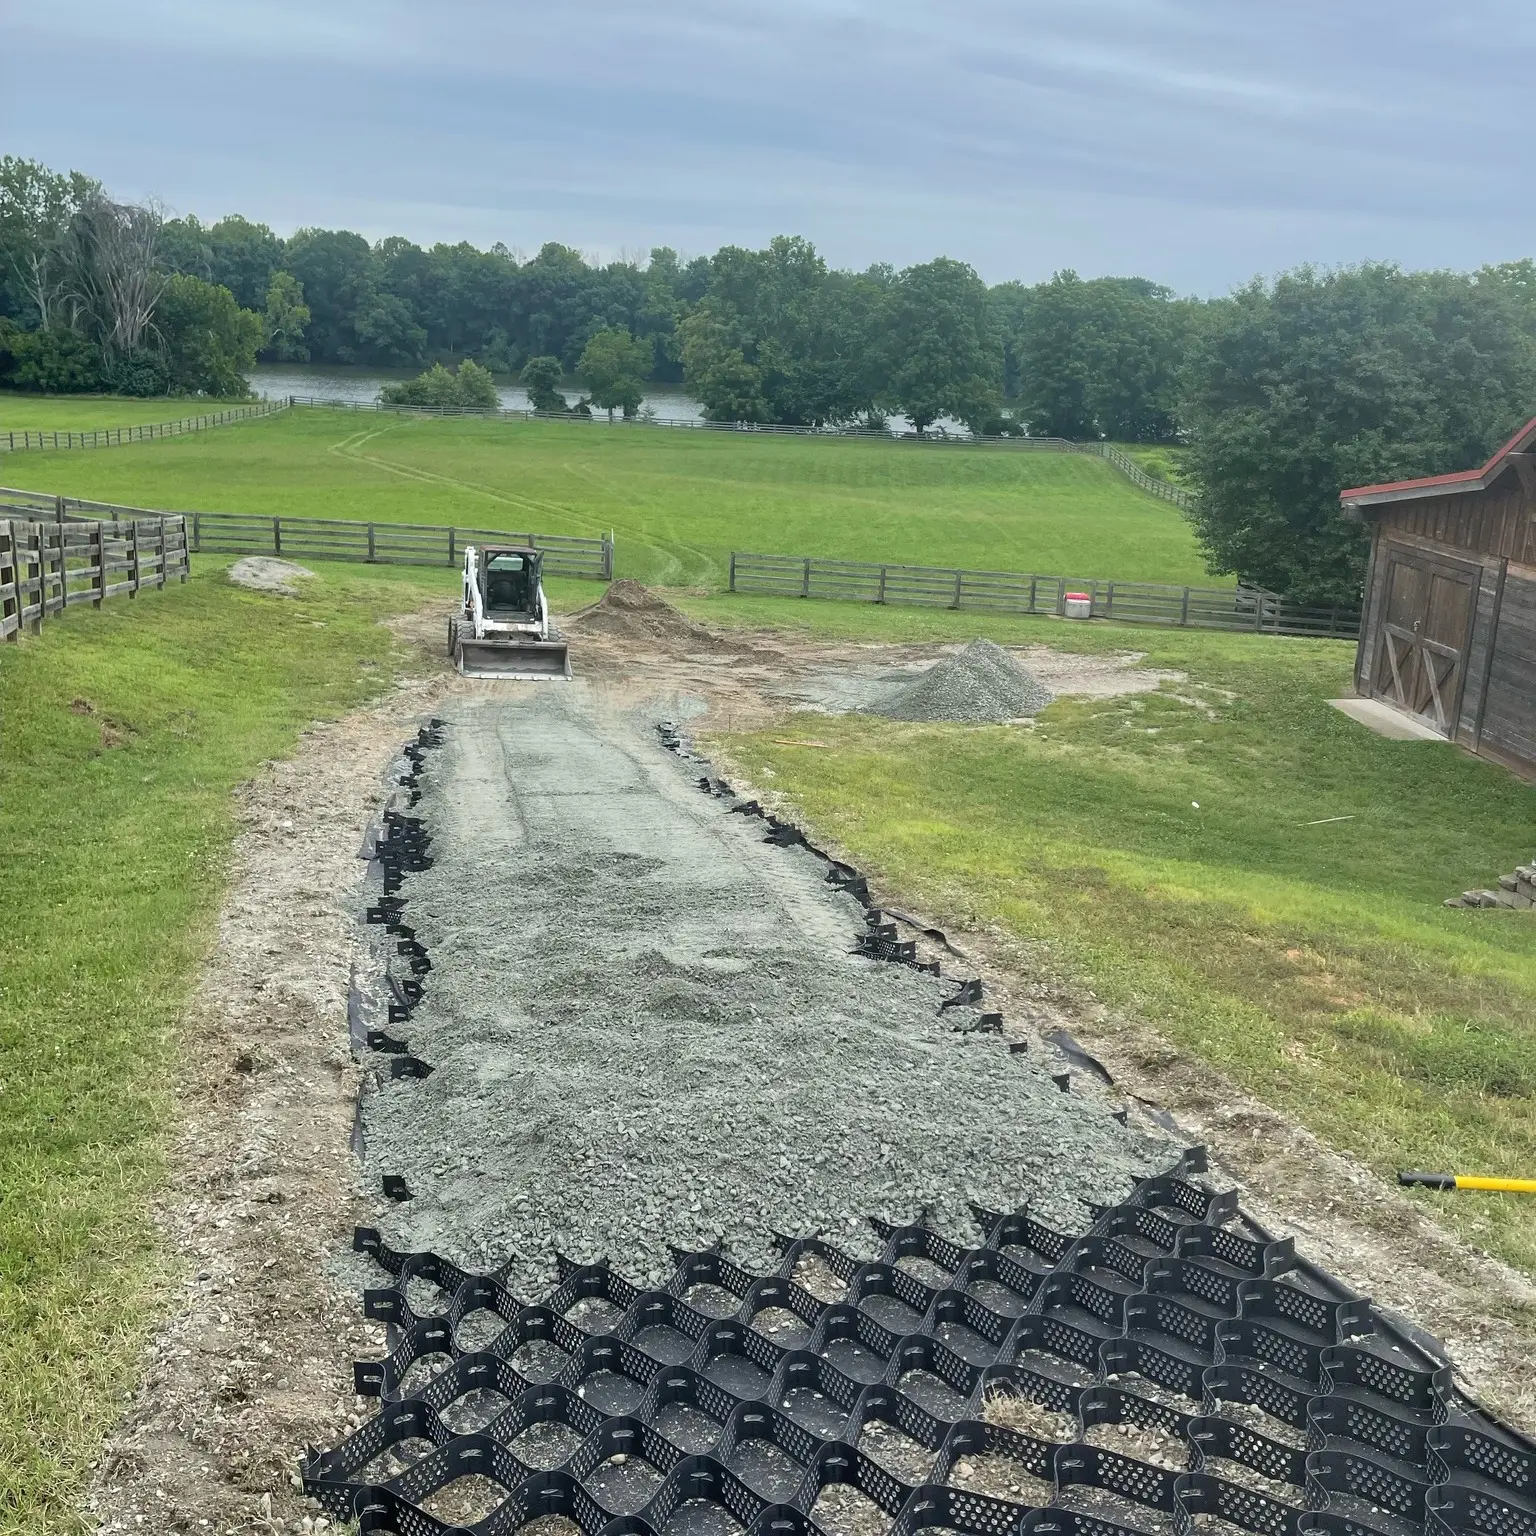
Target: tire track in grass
x,y
672,567
350,448
710,567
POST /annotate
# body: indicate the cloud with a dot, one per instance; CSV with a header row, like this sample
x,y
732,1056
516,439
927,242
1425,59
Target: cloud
x,y
1194,141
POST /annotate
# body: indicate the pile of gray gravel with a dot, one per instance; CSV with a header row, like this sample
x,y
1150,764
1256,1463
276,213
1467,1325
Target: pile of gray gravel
x,y
646,1025
983,683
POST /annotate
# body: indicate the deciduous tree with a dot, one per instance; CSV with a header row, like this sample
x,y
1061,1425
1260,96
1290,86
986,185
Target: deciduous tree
x,y
1323,380
943,354
613,366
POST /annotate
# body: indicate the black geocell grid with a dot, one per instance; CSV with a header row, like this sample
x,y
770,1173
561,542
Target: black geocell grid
x,y
679,1415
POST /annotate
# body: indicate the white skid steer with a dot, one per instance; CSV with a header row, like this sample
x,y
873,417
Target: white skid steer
x,y
502,628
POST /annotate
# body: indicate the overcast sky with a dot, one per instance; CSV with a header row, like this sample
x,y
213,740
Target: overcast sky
x,y
1196,142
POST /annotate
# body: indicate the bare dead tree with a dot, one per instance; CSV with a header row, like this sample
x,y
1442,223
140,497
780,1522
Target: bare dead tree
x,y
115,280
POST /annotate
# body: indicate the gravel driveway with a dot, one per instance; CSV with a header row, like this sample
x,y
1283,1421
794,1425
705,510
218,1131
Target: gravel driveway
x,y
646,1025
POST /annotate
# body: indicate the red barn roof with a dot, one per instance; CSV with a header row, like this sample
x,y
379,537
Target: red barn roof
x,y
1435,485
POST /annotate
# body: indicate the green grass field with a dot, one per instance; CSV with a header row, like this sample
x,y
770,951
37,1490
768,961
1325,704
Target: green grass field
x,y
125,730
678,502
85,413
1314,963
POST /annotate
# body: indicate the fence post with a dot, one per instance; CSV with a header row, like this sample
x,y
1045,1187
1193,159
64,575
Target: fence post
x,y
135,560
453,558
58,508
732,586
197,531
277,536
39,533
1061,596
99,543
956,602
1033,582
805,580
370,543
1093,597
881,597
1109,602
1184,611
185,562
608,555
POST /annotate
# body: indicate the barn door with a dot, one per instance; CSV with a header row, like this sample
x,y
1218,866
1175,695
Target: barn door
x,y
1421,657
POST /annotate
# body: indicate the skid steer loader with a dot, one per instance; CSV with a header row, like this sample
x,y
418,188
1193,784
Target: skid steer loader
x,y
502,628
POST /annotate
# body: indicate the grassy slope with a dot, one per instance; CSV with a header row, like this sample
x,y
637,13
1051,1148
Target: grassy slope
x,y
114,827
678,501
1314,963
85,413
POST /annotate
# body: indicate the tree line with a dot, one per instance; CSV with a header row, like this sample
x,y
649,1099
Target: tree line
x,y
1276,395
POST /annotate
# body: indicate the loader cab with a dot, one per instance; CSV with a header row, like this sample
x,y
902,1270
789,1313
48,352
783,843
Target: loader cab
x,y
510,582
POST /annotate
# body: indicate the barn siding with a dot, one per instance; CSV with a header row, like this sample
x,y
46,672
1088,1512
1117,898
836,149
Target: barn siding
x,y
1496,530
1496,522
1509,717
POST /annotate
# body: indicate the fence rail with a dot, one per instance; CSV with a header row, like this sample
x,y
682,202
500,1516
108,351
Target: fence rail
x,y
314,538
46,567
1128,602
1127,466
113,437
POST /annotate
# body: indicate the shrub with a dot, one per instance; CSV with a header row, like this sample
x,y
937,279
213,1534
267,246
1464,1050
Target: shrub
x,y
471,386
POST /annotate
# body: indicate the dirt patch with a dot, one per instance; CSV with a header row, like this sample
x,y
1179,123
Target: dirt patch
x,y
263,573
841,679
1029,1417
254,1358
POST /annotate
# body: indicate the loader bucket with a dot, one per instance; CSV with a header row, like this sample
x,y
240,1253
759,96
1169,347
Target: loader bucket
x,y
528,661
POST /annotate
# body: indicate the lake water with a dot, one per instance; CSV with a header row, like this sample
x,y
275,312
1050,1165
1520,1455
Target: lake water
x,y
362,385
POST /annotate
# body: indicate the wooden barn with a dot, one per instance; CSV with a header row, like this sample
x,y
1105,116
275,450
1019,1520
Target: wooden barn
x,y
1448,635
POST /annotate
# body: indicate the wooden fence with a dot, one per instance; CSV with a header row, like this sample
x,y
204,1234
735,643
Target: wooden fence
x,y
315,538
1128,602
113,437
46,567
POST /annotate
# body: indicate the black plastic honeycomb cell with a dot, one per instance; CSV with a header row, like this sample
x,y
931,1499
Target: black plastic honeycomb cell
x,y
750,1434
680,1411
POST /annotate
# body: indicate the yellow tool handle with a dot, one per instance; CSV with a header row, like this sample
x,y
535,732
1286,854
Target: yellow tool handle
x,y
1470,1181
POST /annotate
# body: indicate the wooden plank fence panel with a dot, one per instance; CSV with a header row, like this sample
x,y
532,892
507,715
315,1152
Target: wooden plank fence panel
x,y
389,543
46,567
1228,608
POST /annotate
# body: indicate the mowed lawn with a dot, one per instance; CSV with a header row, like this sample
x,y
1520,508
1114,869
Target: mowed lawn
x,y
87,413
677,502
125,730
1231,859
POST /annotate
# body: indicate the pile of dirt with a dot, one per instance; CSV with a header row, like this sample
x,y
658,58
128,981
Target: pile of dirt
x,y
983,683
632,612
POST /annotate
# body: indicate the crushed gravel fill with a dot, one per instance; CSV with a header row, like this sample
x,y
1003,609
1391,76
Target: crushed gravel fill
x,y
982,684
645,1024
264,573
